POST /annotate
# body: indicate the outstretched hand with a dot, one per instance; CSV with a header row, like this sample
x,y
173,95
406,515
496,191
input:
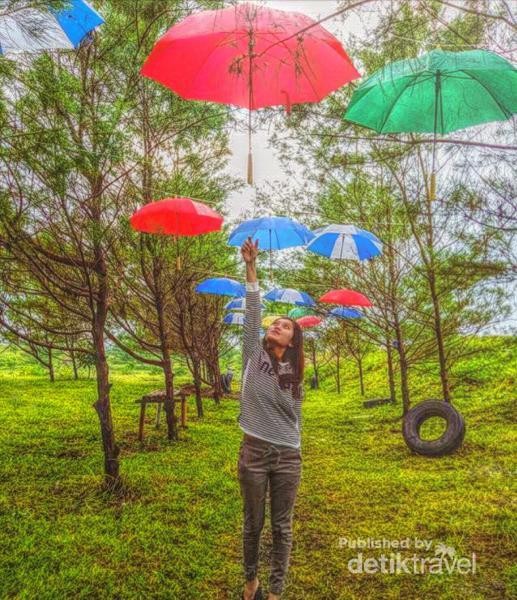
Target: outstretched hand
x,y
249,251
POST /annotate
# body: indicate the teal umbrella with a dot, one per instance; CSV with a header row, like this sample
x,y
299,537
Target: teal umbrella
x,y
438,92
300,311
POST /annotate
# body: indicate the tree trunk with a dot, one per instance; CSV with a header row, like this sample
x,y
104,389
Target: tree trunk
x,y
314,364
361,380
391,375
74,362
103,404
215,378
169,404
197,385
431,276
50,366
338,376
444,374
404,383
103,408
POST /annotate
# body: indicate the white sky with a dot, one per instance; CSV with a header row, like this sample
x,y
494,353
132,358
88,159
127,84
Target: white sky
x,y
266,166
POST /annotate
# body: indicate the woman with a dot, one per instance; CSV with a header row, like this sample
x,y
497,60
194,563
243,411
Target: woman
x,y
270,417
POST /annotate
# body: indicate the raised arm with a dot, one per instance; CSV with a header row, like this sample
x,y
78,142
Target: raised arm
x,y
252,315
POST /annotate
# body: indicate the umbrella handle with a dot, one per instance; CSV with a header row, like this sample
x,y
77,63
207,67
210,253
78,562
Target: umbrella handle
x,y
432,187
250,167
287,102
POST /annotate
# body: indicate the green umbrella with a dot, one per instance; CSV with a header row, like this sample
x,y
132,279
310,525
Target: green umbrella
x,y
438,92
300,311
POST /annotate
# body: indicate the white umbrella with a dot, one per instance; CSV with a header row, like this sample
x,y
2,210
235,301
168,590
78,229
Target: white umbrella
x,y
30,29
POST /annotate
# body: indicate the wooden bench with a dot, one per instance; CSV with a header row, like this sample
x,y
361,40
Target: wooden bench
x,y
158,397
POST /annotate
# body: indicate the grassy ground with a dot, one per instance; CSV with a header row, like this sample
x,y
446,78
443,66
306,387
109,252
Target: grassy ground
x,y
177,534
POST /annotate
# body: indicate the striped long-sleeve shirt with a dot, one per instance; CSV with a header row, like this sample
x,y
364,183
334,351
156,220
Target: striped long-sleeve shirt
x,y
266,411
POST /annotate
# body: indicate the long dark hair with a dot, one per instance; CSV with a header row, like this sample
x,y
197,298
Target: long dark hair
x,y
294,355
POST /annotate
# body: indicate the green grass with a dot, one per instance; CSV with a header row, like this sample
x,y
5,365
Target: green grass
x,y
177,532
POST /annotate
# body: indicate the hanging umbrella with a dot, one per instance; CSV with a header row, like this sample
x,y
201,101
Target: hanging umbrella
x,y
234,318
177,217
272,233
289,296
438,92
250,56
300,311
345,242
268,319
345,297
31,29
221,286
239,304
345,313
309,321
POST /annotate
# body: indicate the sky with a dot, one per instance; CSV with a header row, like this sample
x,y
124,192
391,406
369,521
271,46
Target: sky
x,y
266,166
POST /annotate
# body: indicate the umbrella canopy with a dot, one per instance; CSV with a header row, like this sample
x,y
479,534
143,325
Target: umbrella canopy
x,y
35,29
346,313
272,233
438,92
268,319
250,56
239,304
345,242
289,296
300,311
345,297
221,286
309,321
176,216
234,318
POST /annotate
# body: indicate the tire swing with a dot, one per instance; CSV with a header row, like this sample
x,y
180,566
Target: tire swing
x,y
448,442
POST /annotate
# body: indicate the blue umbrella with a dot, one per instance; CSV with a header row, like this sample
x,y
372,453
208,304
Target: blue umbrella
x,y
233,318
289,296
272,233
346,313
36,29
221,286
239,304
345,242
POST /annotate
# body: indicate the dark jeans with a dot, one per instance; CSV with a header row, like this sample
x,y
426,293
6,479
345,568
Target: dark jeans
x,y
260,463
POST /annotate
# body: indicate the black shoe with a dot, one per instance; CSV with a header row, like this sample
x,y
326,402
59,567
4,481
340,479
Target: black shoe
x,y
258,594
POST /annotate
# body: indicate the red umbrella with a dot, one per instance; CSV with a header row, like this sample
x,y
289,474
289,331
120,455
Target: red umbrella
x,y
345,297
250,56
309,321
176,216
